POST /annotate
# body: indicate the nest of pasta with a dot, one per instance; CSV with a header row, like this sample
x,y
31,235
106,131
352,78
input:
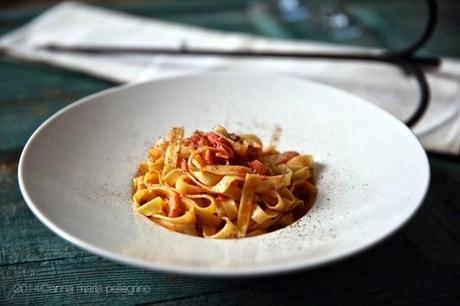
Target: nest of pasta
x,y
222,185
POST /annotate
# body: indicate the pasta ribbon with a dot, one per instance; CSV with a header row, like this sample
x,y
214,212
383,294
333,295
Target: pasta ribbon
x,y
221,185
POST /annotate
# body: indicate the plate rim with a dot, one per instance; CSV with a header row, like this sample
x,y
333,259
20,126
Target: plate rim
x,y
220,272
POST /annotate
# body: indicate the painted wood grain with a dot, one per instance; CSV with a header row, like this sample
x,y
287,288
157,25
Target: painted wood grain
x,y
30,93
89,280
422,258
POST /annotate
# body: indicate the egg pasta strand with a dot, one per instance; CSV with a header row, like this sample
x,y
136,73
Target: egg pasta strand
x,y
221,185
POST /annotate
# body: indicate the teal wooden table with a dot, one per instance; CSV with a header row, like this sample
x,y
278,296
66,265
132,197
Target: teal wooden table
x,y
420,264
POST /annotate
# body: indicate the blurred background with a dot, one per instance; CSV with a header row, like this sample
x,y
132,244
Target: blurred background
x,y
385,24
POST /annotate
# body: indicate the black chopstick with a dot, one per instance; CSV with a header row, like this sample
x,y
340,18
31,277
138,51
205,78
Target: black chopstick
x,y
106,50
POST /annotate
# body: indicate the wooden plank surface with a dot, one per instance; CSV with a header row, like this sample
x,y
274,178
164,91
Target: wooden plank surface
x,y
418,265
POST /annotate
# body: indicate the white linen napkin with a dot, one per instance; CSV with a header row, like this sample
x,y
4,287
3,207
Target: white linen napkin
x,y
80,24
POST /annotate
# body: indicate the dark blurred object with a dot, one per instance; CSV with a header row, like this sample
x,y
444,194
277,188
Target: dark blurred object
x,y
405,58
384,24
329,19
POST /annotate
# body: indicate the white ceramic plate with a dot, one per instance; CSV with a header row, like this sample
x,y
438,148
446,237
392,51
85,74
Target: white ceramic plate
x,y
75,171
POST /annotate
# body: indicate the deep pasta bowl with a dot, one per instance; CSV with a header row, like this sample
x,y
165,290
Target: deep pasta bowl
x,y
372,174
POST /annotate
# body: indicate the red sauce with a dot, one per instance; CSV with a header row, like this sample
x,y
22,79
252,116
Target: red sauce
x,y
285,157
258,167
183,164
221,198
197,139
175,207
254,152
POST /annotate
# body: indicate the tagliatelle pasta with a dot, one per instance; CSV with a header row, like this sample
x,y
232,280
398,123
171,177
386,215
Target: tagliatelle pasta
x,y
222,185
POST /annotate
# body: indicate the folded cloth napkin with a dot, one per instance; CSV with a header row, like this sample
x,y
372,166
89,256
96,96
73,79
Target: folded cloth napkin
x,y
72,23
